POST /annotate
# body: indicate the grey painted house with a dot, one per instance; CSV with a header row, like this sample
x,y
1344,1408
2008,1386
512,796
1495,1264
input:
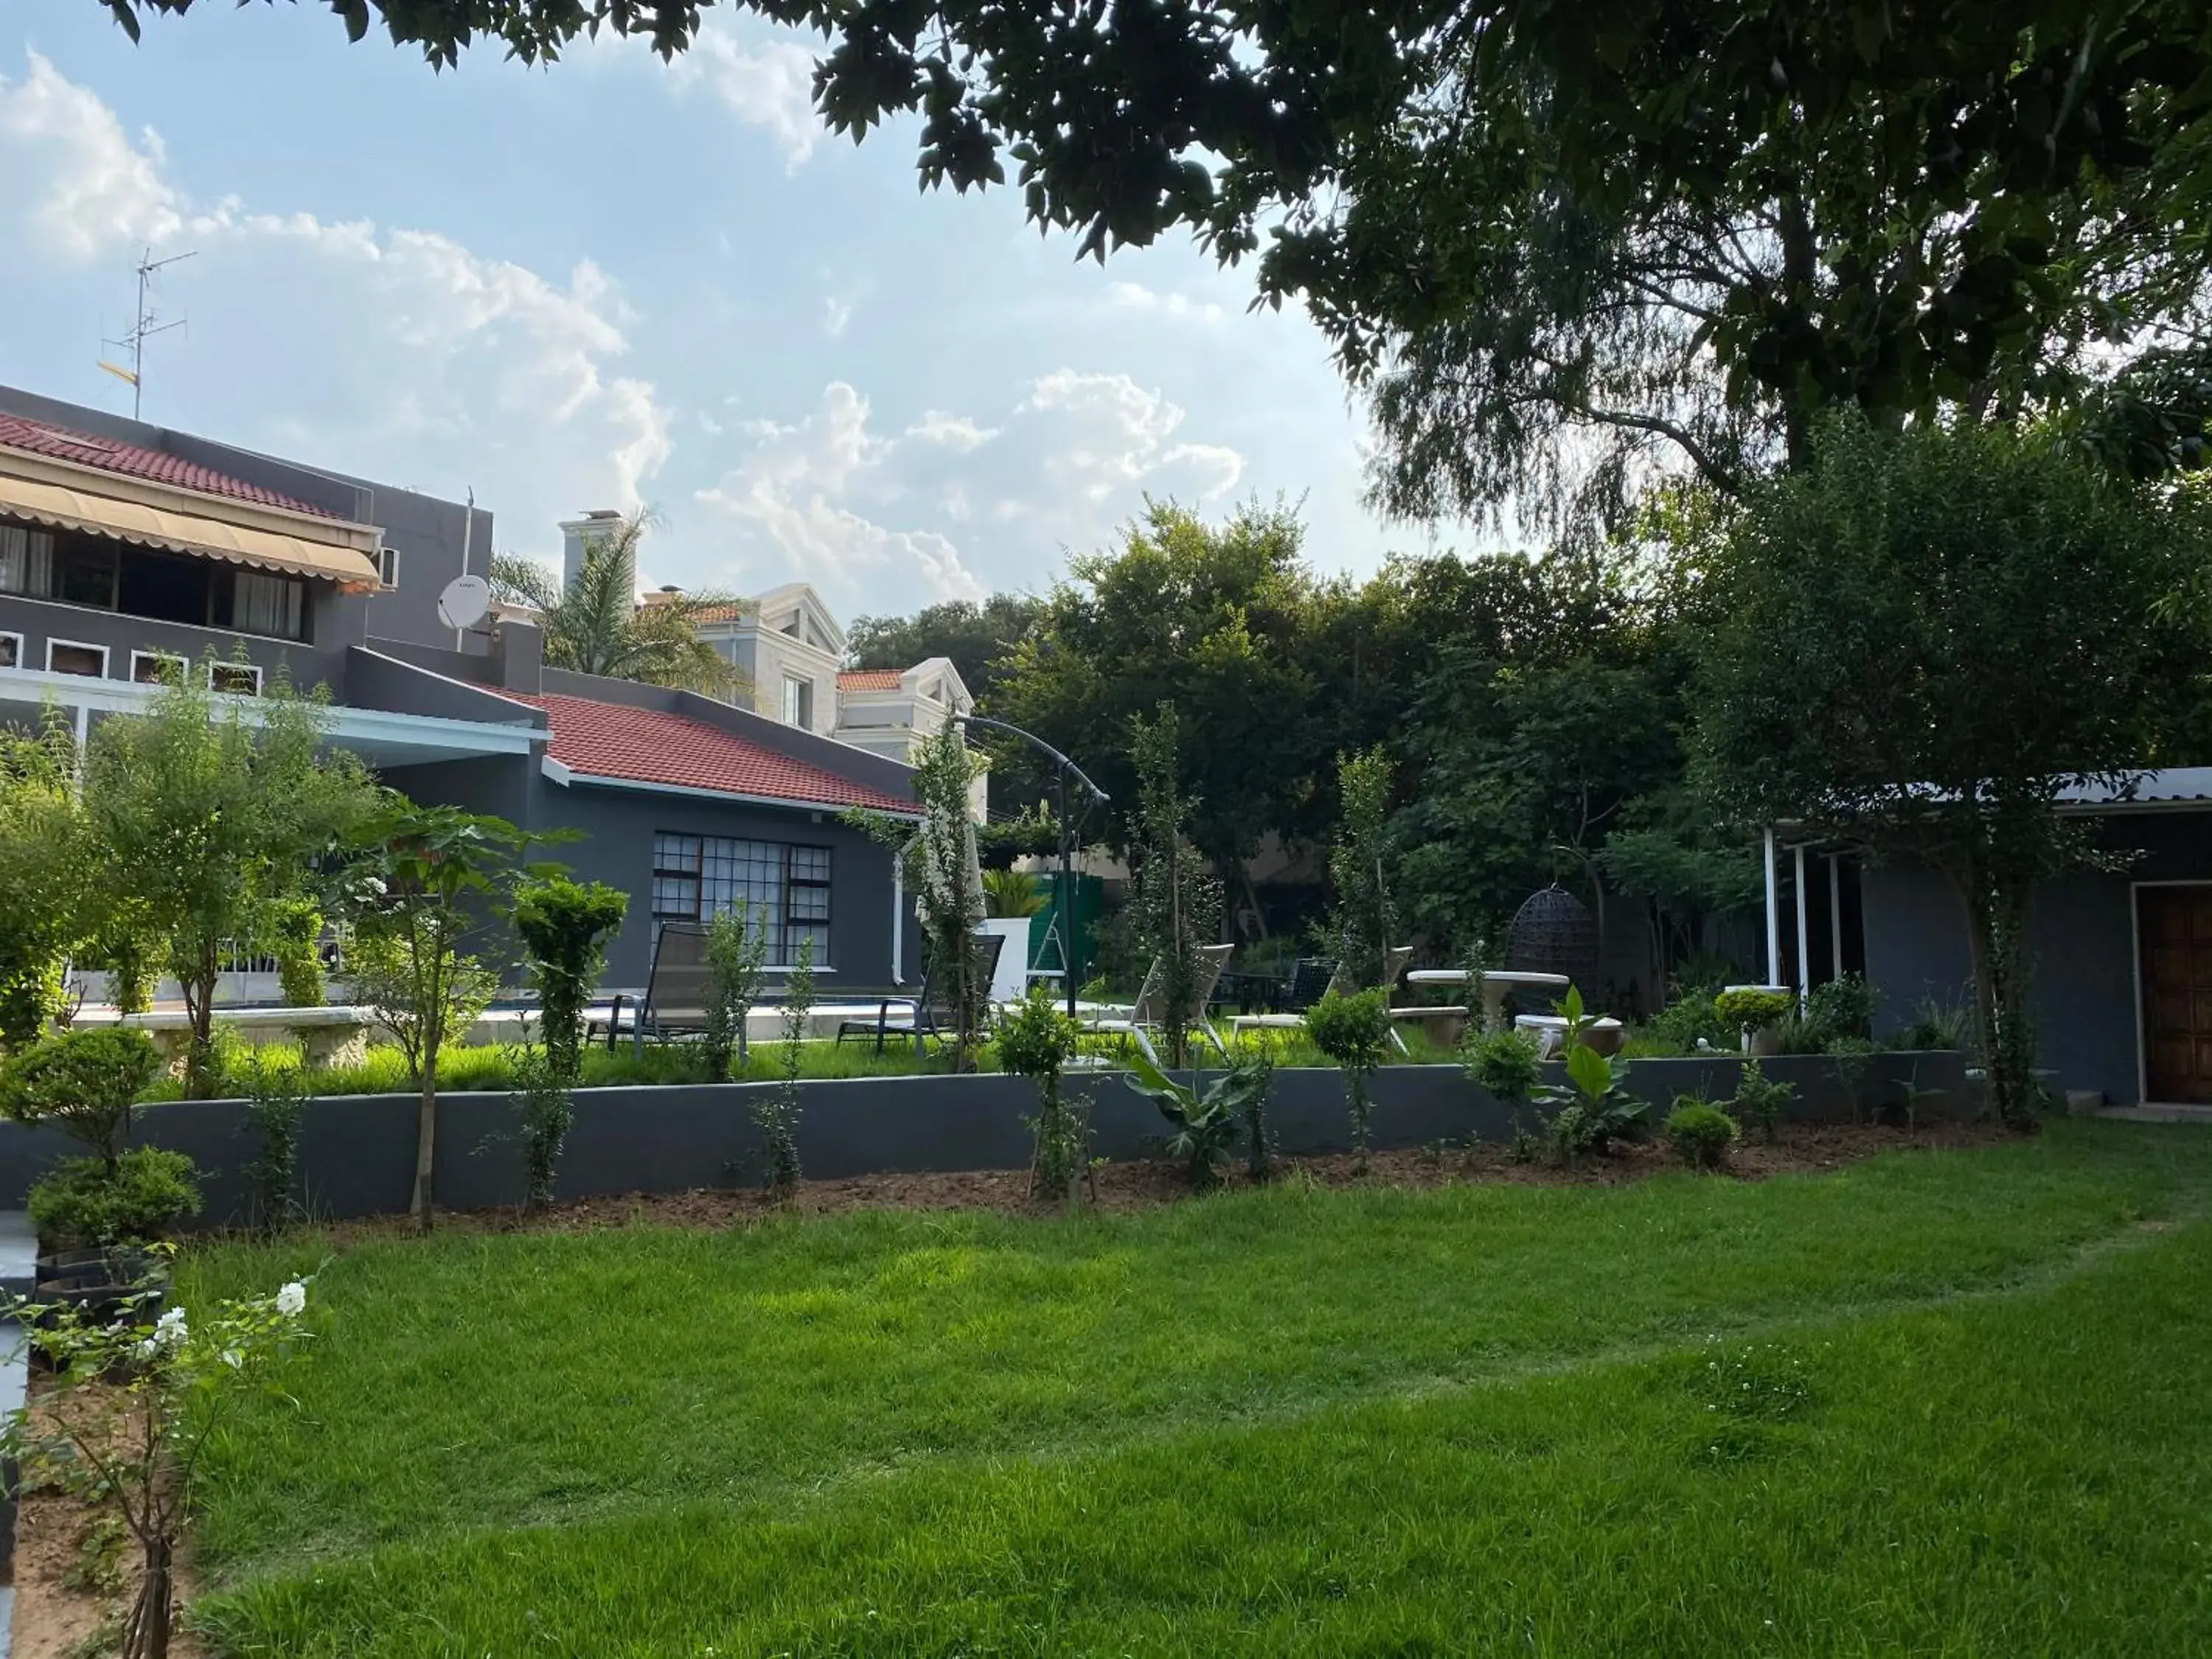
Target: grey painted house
x,y
126,550
2122,956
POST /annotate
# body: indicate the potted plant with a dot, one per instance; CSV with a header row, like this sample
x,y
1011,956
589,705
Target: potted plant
x,y
1755,1011
96,1213
1010,899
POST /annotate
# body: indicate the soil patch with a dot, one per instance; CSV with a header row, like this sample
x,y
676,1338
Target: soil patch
x,y
1798,1148
74,1575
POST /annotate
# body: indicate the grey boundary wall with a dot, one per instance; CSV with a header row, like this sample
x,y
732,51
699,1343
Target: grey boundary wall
x,y
357,1151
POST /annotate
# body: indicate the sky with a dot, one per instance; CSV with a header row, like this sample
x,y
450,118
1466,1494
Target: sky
x,y
614,282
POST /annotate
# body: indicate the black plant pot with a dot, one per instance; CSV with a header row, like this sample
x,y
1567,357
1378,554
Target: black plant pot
x,y
103,1283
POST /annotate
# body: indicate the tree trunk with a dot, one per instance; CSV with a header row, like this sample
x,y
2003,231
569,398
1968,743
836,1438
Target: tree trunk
x,y
426,1119
199,1008
1996,923
146,1633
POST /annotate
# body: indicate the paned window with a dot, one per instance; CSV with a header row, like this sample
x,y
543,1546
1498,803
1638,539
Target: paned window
x,y
786,889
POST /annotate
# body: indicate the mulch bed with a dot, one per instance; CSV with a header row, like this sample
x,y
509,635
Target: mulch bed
x,y
1799,1149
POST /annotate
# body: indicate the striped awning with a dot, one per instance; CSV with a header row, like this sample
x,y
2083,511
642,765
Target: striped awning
x,y
68,507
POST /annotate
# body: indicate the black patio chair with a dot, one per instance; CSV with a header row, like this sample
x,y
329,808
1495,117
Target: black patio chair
x,y
931,1013
1310,978
674,998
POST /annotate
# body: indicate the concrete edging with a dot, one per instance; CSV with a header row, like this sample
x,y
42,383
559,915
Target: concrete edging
x,y
357,1151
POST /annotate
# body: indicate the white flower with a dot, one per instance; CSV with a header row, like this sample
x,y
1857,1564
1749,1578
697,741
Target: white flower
x,y
292,1300
148,1348
169,1329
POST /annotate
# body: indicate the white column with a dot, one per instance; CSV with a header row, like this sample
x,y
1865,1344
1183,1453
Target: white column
x,y
1773,917
1836,912
1804,942
898,920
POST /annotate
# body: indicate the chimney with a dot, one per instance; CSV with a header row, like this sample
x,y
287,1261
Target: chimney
x,y
596,524
518,656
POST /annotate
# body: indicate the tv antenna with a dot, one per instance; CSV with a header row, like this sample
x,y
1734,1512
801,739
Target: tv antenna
x,y
148,323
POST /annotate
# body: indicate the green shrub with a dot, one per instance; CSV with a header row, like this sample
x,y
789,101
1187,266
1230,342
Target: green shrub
x,y
737,965
1036,1042
1939,1026
1841,1009
547,1112
276,1103
1751,1009
1759,1098
295,938
82,1200
1700,1134
1504,1063
83,1083
564,927
1354,1031
1682,1022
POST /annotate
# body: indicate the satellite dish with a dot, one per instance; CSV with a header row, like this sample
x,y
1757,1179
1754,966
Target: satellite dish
x,y
463,603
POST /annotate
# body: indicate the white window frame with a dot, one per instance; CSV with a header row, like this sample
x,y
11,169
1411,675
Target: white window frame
x,y
798,689
183,663
252,668
387,569
18,638
106,660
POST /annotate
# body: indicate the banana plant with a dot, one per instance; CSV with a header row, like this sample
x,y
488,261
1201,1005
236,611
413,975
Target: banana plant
x,y
1594,1107
1204,1125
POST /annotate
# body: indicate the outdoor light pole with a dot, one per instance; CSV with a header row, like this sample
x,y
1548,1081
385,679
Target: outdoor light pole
x,y
1064,769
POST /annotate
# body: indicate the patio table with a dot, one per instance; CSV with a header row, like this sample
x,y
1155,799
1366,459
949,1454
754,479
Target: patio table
x,y
1498,983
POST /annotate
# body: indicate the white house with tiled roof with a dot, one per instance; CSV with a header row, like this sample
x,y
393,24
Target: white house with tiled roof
x,y
791,647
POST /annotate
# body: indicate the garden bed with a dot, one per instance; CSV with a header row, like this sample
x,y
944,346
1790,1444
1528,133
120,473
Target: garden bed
x,y
1142,1183
356,1153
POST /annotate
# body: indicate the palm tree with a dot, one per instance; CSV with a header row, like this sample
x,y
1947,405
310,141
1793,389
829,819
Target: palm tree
x,y
595,625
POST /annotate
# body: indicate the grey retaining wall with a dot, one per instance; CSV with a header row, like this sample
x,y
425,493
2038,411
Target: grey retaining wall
x,y
357,1151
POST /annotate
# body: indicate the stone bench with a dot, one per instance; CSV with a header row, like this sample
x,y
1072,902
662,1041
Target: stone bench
x,y
326,1035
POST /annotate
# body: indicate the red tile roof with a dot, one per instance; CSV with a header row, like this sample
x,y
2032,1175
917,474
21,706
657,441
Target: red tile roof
x,y
869,680
129,460
735,611
645,745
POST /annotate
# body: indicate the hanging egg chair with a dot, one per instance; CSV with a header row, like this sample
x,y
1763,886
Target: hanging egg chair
x,y
1553,932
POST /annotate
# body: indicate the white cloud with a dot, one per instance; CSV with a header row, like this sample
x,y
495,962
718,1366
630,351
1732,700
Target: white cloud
x,y
1113,434
829,500
1135,296
834,316
768,83
788,490
954,432
88,187
410,336
1221,464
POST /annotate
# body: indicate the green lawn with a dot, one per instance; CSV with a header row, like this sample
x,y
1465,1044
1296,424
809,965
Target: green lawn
x,y
1934,1404
491,1066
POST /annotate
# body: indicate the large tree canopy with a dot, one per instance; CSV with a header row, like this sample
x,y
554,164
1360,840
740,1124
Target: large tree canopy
x,y
1568,244
978,638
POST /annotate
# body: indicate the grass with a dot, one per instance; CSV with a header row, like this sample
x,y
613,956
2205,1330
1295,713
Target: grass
x,y
1466,1419
492,1066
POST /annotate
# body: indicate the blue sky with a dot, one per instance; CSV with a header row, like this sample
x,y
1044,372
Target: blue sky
x,y
615,281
